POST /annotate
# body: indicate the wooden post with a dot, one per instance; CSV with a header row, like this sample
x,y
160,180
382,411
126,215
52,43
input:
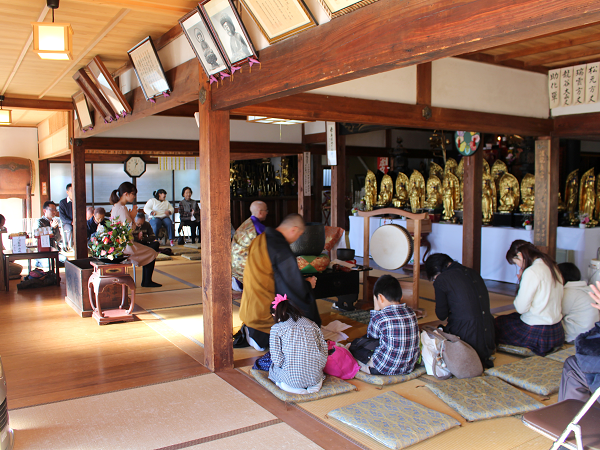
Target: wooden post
x,y
424,84
414,302
78,185
338,184
44,180
545,213
471,253
366,256
215,233
317,190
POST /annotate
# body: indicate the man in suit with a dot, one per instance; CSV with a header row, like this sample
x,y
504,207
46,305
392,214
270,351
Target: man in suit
x,y
65,210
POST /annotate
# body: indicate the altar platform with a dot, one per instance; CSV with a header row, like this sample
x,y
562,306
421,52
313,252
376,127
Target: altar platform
x,y
577,245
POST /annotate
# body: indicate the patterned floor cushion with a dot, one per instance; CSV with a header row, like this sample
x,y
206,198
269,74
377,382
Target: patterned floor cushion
x,y
562,355
192,256
312,264
536,374
483,397
331,386
384,380
393,420
514,350
163,257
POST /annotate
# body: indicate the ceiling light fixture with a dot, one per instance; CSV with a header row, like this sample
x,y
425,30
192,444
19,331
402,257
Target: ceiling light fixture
x,y
264,119
53,40
5,114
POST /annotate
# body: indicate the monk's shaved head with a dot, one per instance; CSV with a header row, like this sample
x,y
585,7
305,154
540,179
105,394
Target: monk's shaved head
x,y
292,227
293,220
256,206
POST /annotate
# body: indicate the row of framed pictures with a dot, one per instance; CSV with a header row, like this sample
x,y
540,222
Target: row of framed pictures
x,y
220,40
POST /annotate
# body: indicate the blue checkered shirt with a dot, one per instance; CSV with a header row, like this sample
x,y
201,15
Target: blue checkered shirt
x,y
396,328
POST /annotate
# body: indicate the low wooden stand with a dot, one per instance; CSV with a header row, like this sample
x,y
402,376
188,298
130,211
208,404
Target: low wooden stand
x,y
106,275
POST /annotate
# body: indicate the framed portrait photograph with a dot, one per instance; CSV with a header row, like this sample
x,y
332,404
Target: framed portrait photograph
x,y
93,94
82,110
228,29
201,39
278,20
336,8
148,69
108,87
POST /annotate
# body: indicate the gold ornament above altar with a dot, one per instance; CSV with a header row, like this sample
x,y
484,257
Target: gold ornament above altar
x,y
528,193
434,192
416,191
402,184
571,196
370,197
509,193
386,191
587,196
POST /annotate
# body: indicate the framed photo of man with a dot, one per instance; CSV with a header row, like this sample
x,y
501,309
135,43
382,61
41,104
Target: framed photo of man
x,y
201,39
148,69
228,29
85,117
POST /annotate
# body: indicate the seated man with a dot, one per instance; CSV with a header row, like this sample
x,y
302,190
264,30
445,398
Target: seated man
x,y
271,269
393,327
97,218
143,232
579,315
89,212
242,239
65,209
581,373
50,219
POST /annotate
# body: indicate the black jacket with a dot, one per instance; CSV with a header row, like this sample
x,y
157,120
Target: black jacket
x,y
462,297
65,210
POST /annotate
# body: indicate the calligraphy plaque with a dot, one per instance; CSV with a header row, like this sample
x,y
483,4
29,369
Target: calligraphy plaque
x,y
331,144
554,88
566,86
279,19
148,69
579,84
591,82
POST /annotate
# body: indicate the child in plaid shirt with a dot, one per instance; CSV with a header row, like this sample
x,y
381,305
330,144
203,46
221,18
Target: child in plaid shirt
x,y
393,333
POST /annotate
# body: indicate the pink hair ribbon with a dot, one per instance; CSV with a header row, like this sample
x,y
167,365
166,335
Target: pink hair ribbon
x,y
278,299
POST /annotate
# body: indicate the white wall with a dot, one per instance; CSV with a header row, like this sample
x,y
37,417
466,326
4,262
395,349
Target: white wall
x,y
166,127
23,143
469,85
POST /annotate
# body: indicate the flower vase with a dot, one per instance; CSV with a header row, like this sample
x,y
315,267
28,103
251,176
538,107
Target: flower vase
x,y
582,225
529,227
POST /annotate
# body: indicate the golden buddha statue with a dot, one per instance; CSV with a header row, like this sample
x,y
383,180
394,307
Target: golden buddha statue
x,y
448,199
370,197
509,193
434,192
450,166
561,204
386,191
436,169
587,196
486,167
455,183
416,191
488,195
571,196
460,169
528,193
401,190
498,170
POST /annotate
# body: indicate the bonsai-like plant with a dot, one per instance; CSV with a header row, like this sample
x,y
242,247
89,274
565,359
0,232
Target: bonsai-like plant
x,y
110,240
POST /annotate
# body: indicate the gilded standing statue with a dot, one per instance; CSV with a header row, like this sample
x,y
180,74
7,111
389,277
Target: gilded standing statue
x,y
571,196
401,190
528,193
386,191
434,192
370,197
448,199
587,196
488,195
416,191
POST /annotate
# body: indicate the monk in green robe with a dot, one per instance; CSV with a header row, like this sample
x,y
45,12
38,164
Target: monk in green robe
x,y
271,269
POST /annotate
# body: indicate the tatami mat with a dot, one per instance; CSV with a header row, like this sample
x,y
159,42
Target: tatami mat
x,y
147,417
159,300
275,437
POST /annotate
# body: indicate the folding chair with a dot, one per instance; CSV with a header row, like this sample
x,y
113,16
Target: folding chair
x,y
557,421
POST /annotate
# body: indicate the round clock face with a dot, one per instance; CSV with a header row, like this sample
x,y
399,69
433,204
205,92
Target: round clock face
x,y
135,166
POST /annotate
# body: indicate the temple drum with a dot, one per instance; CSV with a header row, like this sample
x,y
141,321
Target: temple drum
x,y
391,246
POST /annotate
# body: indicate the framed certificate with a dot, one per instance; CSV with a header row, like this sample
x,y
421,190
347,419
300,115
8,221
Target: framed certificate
x,y
280,19
108,87
82,110
227,28
95,97
148,69
336,8
203,43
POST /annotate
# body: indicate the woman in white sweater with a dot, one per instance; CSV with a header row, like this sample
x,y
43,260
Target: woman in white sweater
x,y
537,323
159,210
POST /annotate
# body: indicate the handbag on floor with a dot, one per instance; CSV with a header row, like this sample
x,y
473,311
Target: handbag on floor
x,y
445,354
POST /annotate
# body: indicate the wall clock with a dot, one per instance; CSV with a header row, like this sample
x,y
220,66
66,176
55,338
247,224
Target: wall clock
x,y
135,166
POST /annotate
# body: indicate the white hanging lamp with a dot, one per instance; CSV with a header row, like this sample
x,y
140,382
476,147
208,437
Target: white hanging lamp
x,y
53,40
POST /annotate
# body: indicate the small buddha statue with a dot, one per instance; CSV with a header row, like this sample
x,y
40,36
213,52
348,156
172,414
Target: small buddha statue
x,y
448,199
434,194
401,190
528,193
386,191
370,197
571,195
415,198
587,199
509,193
487,199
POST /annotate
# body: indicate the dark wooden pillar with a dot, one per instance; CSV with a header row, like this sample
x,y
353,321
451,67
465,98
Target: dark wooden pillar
x,y
338,184
215,233
545,213
471,253
304,200
44,169
424,84
78,181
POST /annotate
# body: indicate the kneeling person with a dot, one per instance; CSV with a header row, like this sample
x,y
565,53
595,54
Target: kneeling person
x,y
393,332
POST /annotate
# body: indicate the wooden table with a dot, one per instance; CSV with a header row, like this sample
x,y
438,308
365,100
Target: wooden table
x,y
32,253
105,275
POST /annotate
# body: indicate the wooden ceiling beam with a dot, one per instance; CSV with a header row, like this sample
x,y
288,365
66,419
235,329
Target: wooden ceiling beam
x,y
37,104
514,64
577,126
583,53
141,5
344,109
390,34
184,83
535,50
